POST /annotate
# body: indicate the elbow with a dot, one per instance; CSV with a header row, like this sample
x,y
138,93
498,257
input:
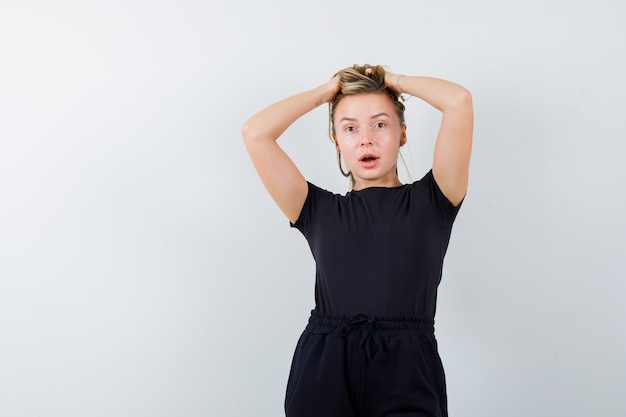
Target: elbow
x,y
466,98
458,102
248,132
461,100
254,132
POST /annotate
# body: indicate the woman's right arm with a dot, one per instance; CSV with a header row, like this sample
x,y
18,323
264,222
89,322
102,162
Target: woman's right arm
x,y
279,174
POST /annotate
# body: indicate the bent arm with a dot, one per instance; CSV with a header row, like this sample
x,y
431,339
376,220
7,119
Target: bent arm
x,y
279,174
454,140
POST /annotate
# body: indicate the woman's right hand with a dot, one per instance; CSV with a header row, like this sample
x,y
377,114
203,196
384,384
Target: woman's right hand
x,y
334,86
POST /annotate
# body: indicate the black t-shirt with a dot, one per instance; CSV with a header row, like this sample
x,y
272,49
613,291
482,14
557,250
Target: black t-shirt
x,y
379,250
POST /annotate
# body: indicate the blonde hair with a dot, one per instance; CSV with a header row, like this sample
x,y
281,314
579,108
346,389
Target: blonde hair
x,y
360,80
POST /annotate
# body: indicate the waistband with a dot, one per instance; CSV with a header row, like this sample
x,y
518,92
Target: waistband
x,y
369,328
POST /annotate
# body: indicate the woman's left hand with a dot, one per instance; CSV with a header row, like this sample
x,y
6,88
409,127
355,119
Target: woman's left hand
x,y
393,81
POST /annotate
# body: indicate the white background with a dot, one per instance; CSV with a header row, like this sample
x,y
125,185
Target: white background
x,y
144,271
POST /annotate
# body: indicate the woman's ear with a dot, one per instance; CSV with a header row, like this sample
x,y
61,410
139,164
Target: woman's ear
x,y
403,136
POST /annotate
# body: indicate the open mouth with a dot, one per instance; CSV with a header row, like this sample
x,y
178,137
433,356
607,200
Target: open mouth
x,y
368,161
368,158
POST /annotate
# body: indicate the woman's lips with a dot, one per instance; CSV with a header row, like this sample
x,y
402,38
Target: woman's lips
x,y
368,161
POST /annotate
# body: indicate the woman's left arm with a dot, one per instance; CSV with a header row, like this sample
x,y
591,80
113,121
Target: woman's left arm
x,y
454,140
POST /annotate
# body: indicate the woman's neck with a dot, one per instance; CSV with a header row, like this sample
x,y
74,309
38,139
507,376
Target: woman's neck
x,y
387,183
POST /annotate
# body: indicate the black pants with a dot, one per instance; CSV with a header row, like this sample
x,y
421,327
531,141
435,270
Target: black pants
x,y
363,366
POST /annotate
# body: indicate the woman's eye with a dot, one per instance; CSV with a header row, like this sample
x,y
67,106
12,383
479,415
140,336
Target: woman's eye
x,y
349,129
380,124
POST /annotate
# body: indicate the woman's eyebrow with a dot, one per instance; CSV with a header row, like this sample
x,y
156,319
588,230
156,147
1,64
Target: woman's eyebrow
x,y
352,119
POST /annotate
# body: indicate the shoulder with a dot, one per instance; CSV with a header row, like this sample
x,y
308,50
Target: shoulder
x,y
428,188
317,198
425,184
316,192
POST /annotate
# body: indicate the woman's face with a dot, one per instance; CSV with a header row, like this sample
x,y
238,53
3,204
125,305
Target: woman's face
x,y
369,135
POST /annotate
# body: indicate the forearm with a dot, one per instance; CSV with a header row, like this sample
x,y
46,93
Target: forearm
x,y
271,122
441,94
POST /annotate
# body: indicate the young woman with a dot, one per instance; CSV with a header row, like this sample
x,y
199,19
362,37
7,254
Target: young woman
x,y
369,348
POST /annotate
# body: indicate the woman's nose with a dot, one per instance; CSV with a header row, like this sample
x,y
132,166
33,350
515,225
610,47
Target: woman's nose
x,y
365,138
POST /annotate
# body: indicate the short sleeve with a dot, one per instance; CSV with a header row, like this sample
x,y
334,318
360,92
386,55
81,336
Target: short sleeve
x,y
441,202
313,198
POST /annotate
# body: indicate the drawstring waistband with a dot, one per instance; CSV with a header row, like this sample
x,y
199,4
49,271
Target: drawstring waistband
x,y
369,338
370,329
